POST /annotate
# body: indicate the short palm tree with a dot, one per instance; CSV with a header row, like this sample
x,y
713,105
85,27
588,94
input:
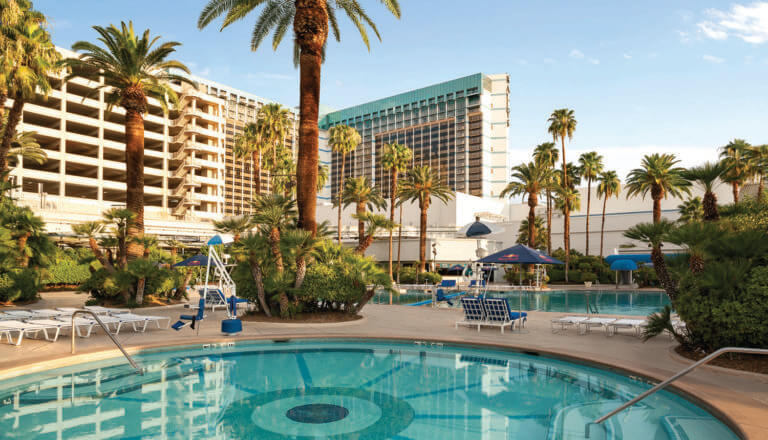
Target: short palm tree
x,y
567,200
654,234
547,154
311,21
302,246
608,186
758,158
133,69
23,224
736,156
342,139
691,210
175,246
250,143
147,242
420,185
255,249
373,224
359,191
25,145
236,225
590,165
707,176
395,158
121,220
660,176
91,230
528,180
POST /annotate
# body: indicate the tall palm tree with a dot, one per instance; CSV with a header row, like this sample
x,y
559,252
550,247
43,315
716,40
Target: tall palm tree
x,y
421,184
342,139
691,210
275,123
236,225
608,186
758,158
528,180
359,191
395,158
567,200
547,154
736,155
133,69
654,234
374,223
562,124
250,143
311,20
707,176
34,59
590,165
659,176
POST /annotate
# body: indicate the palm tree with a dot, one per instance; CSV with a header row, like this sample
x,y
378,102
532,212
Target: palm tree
x,y
23,224
707,175
374,223
250,143
311,20
121,221
736,155
342,139
523,230
691,210
147,242
34,58
590,166
235,225
567,200
395,158
255,248
133,69
547,154
421,184
758,158
654,234
528,180
25,144
302,245
608,186
91,230
562,124
359,191
174,246
275,121
659,176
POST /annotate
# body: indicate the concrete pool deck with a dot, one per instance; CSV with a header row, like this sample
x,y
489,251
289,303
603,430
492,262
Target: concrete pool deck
x,y
741,397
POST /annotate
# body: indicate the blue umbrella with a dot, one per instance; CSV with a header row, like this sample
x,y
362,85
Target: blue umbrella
x,y
197,260
623,265
520,254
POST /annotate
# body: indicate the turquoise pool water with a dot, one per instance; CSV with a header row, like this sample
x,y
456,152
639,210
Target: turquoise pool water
x,y
610,302
342,390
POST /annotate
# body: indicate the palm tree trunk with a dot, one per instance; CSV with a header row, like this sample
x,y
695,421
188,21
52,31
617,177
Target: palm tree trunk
x,y
310,26
589,201
100,256
258,279
274,245
656,210
760,189
392,191
399,247
22,245
134,179
301,272
710,207
566,214
360,210
14,116
423,236
660,266
549,222
532,202
140,291
365,244
602,227
339,192
735,189
257,172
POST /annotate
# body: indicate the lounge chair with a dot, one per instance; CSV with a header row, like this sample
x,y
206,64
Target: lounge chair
x,y
87,323
47,313
146,319
498,313
30,330
586,325
50,323
474,313
19,314
106,310
637,325
566,321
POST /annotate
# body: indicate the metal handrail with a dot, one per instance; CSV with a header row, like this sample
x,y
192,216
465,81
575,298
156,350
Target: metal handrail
x,y
111,336
680,374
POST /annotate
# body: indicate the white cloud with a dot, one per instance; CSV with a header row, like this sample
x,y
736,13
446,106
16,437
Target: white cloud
x,y
747,22
685,37
627,56
594,61
712,59
576,53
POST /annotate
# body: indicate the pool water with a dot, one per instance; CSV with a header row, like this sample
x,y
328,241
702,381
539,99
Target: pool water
x,y
341,389
609,302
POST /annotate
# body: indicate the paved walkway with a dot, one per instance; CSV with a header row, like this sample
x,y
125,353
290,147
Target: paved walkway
x,y
741,397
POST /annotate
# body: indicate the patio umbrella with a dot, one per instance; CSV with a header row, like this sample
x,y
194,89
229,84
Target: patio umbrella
x,y
520,254
197,260
478,229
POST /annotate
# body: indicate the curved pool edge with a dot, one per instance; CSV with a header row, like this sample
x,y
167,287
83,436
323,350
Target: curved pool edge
x,y
686,391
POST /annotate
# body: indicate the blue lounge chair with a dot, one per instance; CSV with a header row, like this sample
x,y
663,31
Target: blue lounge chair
x,y
498,313
448,283
193,321
441,297
474,313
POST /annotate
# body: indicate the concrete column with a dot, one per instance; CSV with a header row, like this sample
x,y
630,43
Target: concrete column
x,y
63,143
100,171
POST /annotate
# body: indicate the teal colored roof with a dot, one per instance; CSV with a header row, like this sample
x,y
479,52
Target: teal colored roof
x,y
401,99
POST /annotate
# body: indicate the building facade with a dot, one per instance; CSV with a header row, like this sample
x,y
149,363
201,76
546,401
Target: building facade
x,y
458,127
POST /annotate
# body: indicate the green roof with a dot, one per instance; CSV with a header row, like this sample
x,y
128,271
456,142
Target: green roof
x,y
401,99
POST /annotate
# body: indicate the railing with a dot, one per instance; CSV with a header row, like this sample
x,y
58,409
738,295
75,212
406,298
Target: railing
x,y
680,374
111,336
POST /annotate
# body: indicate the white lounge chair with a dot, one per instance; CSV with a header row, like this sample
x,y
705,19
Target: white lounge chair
x,y
146,319
637,325
30,330
586,325
106,310
52,324
47,313
566,321
19,314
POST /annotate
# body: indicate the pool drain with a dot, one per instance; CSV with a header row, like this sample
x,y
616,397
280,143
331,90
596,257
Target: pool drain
x,y
317,413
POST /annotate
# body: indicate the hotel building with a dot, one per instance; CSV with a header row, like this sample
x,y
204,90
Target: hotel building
x,y
457,127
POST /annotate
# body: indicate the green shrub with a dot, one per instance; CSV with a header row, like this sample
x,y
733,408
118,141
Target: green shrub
x,y
20,285
408,276
67,271
588,277
556,275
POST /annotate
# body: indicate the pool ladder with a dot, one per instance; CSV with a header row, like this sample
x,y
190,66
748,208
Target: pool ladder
x,y
598,422
106,330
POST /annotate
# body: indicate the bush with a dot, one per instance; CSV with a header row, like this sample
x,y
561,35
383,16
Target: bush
x,y
67,271
588,277
408,276
20,285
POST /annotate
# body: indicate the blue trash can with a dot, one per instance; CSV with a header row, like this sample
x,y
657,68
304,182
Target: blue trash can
x,y
231,326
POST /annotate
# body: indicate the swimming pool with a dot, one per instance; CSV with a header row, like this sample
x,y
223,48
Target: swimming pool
x,y
343,390
609,302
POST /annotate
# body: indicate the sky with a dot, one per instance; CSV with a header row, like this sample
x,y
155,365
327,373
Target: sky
x,y
677,76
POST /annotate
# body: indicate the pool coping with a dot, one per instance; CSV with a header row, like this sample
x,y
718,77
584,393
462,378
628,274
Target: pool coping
x,y
685,391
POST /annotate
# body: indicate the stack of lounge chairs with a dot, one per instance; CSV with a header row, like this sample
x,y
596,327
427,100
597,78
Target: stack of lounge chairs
x,y
490,312
16,324
584,324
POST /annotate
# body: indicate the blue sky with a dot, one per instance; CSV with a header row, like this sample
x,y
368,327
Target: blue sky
x,y
681,76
